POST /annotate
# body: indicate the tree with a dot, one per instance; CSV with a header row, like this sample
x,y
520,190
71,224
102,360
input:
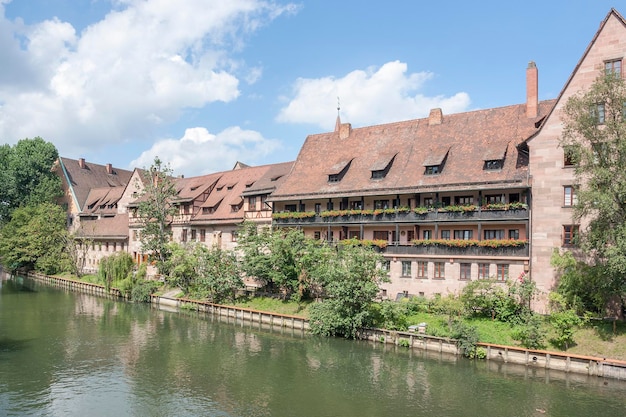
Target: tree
x,y
281,259
594,138
351,281
155,211
26,175
35,238
219,277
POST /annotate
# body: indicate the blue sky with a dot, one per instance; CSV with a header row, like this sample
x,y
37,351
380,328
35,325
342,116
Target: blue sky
x,y
206,83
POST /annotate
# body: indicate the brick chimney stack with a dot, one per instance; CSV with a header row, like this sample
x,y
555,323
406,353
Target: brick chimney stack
x,y
109,169
532,90
81,163
435,117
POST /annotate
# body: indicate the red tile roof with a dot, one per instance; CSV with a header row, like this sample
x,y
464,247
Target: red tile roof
x,y
464,140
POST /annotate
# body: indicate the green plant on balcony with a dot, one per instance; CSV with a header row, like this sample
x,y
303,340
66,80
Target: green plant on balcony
x,y
464,243
293,215
421,210
381,243
458,208
505,206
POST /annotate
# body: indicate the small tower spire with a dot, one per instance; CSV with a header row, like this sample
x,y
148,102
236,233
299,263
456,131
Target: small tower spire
x,y
338,122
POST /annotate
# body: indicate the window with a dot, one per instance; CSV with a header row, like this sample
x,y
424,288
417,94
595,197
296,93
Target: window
x,y
318,208
568,159
514,198
493,165
264,205
234,236
356,205
376,175
381,204
613,67
252,203
183,238
597,113
445,234
354,234
569,196
410,235
381,235
503,272
445,201
463,234
569,234
494,234
432,170
202,235
422,269
483,271
429,202
386,265
317,235
514,234
440,270
466,271
427,234
464,200
193,235
234,208
290,207
494,199
406,268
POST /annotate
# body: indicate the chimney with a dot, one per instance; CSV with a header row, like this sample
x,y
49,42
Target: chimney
x,y
81,163
344,130
109,169
435,117
532,90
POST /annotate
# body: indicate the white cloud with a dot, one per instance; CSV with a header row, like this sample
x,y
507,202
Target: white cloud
x,y
200,152
139,67
367,97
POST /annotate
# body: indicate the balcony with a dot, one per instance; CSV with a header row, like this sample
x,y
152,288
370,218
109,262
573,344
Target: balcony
x,y
506,249
509,212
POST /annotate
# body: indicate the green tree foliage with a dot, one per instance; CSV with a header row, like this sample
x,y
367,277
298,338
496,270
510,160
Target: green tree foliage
x,y
219,277
594,136
564,320
506,302
155,211
116,267
283,259
204,273
26,175
351,281
34,238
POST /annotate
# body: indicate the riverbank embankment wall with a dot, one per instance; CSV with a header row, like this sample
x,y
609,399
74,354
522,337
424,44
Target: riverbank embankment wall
x,y
497,354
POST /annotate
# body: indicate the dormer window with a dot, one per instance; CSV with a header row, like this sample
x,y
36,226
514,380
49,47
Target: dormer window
x,y
382,166
494,156
493,165
338,171
435,160
432,170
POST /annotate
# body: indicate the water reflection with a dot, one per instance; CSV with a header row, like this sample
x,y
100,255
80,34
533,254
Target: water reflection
x,y
80,355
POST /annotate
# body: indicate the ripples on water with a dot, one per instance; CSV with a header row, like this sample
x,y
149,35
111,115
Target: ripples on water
x,y
64,354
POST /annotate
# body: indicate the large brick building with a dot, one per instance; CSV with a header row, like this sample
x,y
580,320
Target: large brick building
x,y
448,199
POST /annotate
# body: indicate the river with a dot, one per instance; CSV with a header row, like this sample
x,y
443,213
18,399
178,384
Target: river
x,y
71,354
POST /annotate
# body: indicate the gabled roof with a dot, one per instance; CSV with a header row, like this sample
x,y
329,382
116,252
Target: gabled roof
x,y
191,188
460,138
611,14
228,192
82,177
273,177
115,227
98,197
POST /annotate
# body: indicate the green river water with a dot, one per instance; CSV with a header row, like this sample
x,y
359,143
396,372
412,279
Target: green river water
x,y
71,354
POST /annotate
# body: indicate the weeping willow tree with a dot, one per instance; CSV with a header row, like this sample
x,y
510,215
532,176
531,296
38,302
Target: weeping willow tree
x,y
114,268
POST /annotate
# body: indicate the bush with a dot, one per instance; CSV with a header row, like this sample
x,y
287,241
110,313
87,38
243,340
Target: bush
x,y
531,335
467,337
142,290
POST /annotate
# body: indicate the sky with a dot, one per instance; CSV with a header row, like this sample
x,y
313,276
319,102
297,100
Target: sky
x,y
202,84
